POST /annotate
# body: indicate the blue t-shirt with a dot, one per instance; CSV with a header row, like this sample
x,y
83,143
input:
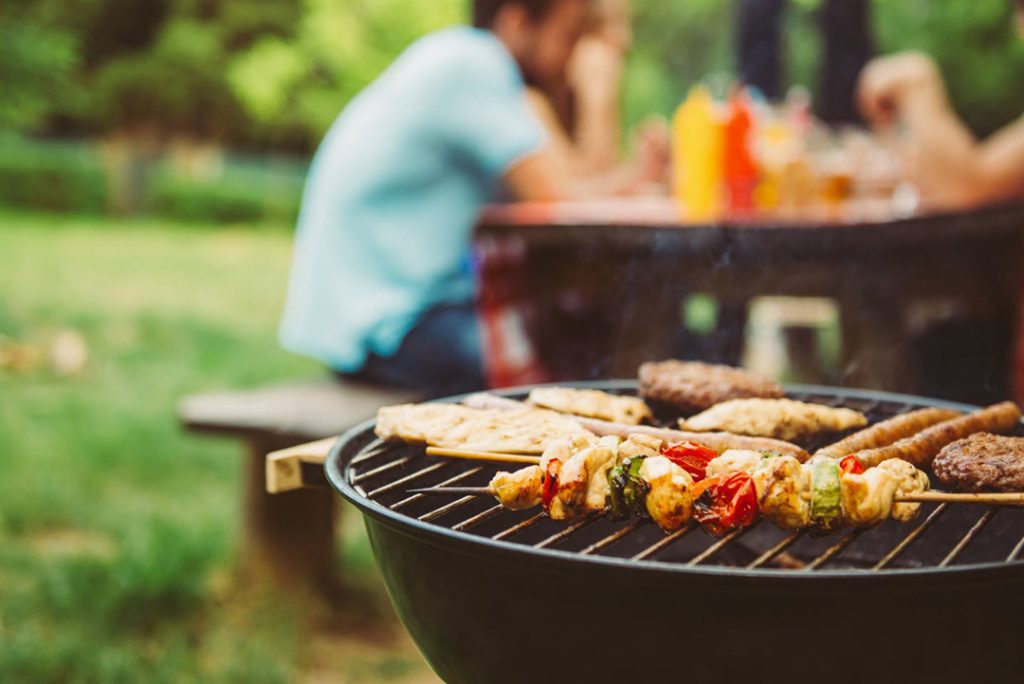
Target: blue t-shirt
x,y
394,192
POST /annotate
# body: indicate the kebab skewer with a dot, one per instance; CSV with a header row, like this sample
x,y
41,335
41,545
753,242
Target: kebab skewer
x,y
673,483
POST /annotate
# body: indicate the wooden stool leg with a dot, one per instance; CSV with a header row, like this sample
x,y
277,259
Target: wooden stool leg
x,y
288,538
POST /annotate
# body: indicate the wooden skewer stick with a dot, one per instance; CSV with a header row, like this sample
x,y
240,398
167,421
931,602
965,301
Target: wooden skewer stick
x,y
475,491
994,499
483,455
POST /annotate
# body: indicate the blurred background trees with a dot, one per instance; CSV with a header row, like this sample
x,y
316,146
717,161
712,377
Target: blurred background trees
x,y
166,86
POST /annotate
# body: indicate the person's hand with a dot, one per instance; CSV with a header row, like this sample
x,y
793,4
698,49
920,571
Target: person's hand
x,y
652,149
889,84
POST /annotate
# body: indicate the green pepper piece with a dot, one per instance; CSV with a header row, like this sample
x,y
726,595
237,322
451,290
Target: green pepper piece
x,y
618,510
635,491
826,506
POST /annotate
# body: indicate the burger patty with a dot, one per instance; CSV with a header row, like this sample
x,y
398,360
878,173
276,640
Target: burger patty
x,y
982,462
691,386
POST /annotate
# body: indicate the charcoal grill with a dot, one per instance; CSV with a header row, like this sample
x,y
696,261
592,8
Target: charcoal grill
x,y
491,595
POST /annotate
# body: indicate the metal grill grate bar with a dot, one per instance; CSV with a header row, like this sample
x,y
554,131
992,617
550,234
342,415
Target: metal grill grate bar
x,y
718,546
971,534
611,538
372,450
444,483
380,470
405,480
776,550
519,527
565,533
1016,551
909,539
479,517
447,508
835,549
664,542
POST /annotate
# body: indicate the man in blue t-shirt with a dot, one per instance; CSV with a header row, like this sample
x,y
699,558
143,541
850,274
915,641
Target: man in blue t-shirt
x,y
381,285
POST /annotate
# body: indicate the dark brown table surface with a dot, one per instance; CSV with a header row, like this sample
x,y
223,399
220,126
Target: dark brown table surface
x,y
645,256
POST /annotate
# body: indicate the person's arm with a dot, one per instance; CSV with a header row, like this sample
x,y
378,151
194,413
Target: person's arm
x,y
539,177
595,76
561,159
950,167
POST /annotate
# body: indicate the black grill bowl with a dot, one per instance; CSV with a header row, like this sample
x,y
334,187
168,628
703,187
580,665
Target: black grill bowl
x,y
492,612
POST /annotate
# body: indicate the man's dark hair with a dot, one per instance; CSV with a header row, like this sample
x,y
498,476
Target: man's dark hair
x,y
485,11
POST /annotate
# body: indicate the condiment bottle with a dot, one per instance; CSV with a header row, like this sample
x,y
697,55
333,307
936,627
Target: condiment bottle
x,y
697,155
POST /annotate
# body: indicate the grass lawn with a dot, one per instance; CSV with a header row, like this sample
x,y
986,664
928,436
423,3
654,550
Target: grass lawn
x,y
117,531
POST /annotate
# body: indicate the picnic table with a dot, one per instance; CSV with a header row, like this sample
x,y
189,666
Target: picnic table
x,y
644,256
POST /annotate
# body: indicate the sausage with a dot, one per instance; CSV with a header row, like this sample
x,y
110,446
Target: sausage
x,y
920,449
888,431
719,441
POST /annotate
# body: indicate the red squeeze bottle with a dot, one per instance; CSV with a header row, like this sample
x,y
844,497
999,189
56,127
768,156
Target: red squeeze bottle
x,y
739,168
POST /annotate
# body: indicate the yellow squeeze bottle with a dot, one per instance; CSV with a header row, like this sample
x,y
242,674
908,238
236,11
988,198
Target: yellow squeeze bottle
x,y
697,138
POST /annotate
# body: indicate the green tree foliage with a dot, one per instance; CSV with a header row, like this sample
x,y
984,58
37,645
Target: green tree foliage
x,y
277,72
298,84
37,59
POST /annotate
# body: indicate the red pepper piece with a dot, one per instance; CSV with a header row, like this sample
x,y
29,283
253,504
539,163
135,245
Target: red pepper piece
x,y
691,457
549,484
851,464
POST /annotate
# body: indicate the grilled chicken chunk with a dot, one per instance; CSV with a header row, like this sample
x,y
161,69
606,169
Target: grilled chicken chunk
x,y
909,480
519,490
639,445
735,460
582,482
784,492
777,418
668,501
525,431
592,404
867,497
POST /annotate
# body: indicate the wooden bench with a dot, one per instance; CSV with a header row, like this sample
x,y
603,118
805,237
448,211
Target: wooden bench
x,y
288,536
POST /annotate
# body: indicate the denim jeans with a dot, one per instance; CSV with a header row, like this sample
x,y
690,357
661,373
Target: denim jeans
x,y
441,355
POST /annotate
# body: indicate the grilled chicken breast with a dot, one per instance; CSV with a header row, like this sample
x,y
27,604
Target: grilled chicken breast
x,y
525,431
777,418
592,404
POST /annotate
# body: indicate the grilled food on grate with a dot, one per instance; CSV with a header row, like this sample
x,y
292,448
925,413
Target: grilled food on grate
x,y
719,441
691,386
777,418
592,404
886,432
982,463
673,483
525,430
922,447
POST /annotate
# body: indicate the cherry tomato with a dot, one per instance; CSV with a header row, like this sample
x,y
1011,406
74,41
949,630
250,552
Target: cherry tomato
x,y
740,495
851,464
728,504
691,457
549,483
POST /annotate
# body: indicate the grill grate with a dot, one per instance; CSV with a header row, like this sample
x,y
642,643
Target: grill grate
x,y
944,536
